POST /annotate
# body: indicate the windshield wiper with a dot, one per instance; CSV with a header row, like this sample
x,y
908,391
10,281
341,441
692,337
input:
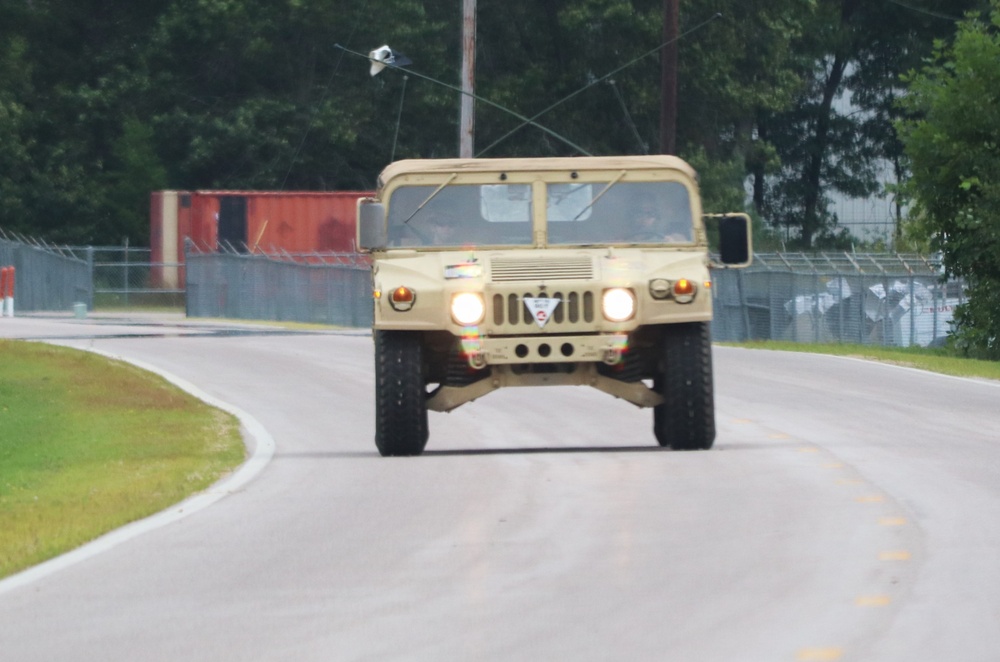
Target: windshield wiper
x,y
598,196
431,196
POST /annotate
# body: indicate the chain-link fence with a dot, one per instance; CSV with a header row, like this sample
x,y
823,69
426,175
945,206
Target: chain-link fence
x,y
126,277
884,299
881,299
48,277
53,277
325,288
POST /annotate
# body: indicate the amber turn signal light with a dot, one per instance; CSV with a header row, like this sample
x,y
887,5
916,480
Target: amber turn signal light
x,y
684,290
402,298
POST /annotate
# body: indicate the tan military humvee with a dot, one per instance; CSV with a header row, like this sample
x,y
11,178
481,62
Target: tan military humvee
x,y
591,271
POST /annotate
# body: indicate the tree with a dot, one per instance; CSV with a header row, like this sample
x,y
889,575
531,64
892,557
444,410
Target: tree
x,y
737,69
101,99
256,95
68,115
839,130
15,124
954,148
119,97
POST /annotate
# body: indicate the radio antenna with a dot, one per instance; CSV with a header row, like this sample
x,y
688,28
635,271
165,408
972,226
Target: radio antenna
x,y
595,82
525,120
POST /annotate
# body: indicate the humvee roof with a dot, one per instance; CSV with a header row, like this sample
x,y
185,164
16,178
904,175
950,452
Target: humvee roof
x,y
653,161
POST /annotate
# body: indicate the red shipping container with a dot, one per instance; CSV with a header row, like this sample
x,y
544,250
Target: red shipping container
x,y
272,221
295,222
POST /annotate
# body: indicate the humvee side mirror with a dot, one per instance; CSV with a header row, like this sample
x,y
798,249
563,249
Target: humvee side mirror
x,y
371,225
734,239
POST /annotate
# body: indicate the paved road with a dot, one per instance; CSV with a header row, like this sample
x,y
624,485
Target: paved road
x,y
850,511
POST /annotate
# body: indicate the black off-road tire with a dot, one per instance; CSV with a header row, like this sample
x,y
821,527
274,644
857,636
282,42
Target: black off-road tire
x,y
400,394
686,419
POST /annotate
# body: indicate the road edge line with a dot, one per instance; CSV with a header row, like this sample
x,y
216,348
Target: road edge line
x,y
260,455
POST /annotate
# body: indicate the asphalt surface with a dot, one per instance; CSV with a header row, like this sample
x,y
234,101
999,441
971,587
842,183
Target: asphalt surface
x,y
849,511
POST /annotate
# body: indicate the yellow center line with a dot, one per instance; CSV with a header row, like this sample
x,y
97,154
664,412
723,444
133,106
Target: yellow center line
x,y
892,521
819,654
873,601
834,465
871,498
899,555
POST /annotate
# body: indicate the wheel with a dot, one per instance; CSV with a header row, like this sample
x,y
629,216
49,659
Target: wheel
x,y
400,396
686,419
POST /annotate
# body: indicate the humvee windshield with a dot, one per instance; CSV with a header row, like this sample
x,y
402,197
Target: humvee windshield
x,y
610,212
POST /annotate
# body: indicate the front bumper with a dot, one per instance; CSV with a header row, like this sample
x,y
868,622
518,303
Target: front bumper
x,y
605,348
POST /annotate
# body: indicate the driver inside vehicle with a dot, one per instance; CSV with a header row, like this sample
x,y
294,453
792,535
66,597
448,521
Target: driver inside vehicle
x,y
440,229
429,228
649,225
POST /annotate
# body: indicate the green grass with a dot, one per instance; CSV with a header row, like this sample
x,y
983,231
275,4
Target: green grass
x,y
934,360
88,444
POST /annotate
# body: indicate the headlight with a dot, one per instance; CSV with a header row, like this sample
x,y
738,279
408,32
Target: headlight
x,y
467,308
681,290
618,304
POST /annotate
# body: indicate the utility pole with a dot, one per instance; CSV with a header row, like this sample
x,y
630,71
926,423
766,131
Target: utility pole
x,y
466,130
668,78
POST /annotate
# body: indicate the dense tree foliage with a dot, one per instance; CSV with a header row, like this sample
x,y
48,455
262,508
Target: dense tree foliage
x,y
839,131
102,101
954,145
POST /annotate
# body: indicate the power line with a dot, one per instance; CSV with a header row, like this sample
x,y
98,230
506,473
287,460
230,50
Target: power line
x,y
592,83
477,98
928,12
326,93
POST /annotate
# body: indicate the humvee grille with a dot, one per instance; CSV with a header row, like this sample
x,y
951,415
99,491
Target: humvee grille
x,y
555,268
574,307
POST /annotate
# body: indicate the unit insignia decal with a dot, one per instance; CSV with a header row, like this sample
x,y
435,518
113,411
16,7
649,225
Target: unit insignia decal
x,y
541,308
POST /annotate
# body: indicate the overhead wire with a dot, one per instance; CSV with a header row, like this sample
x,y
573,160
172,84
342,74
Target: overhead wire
x,y
594,82
628,117
477,98
399,119
920,10
326,92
